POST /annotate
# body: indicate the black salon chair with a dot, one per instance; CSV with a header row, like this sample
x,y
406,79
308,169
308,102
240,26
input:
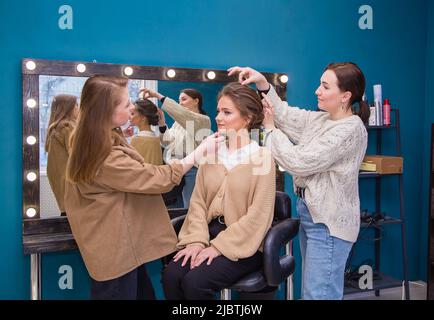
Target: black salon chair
x,y
277,269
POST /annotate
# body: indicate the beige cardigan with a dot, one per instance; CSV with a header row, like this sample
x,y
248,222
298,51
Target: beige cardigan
x,y
119,221
182,138
57,158
149,148
244,195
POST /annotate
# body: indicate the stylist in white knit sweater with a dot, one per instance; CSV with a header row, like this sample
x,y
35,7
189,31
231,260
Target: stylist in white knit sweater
x,y
323,152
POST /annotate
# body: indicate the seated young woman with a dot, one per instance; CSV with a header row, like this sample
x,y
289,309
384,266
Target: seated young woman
x,y
231,208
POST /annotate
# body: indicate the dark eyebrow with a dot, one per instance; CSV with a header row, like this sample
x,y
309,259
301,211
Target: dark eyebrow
x,y
323,82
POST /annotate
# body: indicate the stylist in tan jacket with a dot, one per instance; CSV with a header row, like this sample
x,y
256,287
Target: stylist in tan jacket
x,y
64,111
113,199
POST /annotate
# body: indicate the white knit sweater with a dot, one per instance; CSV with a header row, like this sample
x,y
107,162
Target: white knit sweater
x,y
186,133
323,156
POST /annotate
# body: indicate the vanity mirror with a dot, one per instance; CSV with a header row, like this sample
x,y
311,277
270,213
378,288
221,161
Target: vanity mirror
x,y
44,228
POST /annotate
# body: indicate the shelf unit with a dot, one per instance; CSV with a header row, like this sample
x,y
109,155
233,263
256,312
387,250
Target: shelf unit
x,y
381,280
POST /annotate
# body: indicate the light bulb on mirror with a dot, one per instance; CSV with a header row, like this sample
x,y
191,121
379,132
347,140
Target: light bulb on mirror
x,y
81,67
284,78
30,65
128,71
171,73
31,212
31,176
31,103
31,140
211,75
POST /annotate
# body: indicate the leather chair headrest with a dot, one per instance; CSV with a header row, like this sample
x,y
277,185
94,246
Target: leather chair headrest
x,y
282,207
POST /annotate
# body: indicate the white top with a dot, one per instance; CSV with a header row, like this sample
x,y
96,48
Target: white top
x,y
239,156
146,134
323,156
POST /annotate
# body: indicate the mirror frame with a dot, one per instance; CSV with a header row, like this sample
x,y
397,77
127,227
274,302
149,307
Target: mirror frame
x,y
54,234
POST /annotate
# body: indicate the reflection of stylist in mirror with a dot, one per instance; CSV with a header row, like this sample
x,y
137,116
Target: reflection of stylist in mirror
x,y
180,139
144,114
323,152
231,208
113,199
64,111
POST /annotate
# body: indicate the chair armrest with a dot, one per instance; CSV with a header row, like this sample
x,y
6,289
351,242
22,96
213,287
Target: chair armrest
x,y
277,268
177,223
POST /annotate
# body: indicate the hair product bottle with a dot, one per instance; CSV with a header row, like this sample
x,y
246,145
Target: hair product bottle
x,y
372,116
378,101
386,112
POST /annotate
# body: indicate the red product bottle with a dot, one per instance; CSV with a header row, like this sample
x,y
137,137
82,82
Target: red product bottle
x,y
386,112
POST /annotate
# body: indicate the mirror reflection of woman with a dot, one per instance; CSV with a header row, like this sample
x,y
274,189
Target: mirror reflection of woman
x,y
64,111
231,208
113,198
323,151
144,114
180,139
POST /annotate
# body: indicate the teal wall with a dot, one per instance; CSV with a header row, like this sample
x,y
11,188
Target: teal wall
x,y
292,36
429,120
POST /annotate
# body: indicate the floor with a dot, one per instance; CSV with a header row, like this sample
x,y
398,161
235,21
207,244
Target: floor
x,y
417,292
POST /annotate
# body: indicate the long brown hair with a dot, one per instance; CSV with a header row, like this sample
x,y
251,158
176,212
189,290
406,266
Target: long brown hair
x,y
62,108
351,78
195,94
91,141
247,101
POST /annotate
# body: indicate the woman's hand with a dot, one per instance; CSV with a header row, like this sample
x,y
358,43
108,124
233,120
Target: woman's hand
x,y
208,146
268,121
128,132
248,75
206,254
188,252
149,93
161,119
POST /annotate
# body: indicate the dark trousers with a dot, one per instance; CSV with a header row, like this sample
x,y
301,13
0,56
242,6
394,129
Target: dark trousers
x,y
135,285
203,282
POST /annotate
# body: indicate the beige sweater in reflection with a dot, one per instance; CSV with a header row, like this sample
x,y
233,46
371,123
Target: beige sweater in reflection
x,y
244,195
57,158
148,146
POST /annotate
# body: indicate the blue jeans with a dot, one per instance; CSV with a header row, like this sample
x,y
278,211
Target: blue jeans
x,y
323,258
190,180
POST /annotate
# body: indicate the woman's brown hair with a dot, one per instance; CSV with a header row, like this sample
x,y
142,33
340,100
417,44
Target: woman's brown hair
x,y
351,78
147,109
62,109
195,94
91,141
247,101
